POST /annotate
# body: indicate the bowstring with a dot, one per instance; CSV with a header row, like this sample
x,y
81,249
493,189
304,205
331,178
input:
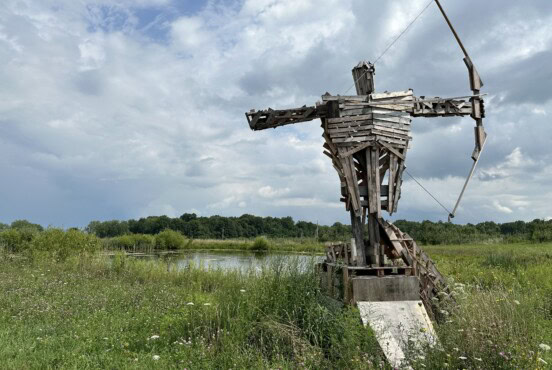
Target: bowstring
x,y
391,44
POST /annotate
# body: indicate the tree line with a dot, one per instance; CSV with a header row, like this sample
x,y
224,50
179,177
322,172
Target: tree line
x,y
249,226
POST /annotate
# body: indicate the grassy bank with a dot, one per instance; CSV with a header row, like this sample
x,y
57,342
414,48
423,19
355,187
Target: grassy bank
x,y
173,240
87,311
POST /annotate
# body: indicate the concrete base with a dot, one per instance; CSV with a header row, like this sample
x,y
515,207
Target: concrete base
x,y
388,288
402,328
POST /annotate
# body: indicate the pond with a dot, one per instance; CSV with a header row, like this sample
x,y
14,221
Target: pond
x,y
229,260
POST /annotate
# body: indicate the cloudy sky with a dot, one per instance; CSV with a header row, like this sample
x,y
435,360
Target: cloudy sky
x,y
123,109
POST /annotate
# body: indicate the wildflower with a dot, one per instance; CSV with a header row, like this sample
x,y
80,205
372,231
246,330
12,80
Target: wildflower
x,y
456,349
502,354
460,330
242,290
516,302
544,347
156,357
207,304
542,361
153,337
190,303
463,358
478,359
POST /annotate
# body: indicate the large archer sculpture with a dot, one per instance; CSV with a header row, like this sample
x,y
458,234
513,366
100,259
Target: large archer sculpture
x,y
367,137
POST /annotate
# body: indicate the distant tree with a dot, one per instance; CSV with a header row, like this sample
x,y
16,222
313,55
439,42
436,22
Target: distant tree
x,y
26,225
186,217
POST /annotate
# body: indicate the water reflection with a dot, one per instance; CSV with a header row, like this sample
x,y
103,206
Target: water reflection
x,y
231,260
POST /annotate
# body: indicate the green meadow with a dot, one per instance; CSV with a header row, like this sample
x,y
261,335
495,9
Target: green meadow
x,y
65,304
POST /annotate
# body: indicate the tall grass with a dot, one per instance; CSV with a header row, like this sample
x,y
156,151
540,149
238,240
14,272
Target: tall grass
x,y
121,313
89,311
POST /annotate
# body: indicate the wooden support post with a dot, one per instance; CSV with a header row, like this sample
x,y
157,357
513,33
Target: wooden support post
x,y
358,236
374,255
346,295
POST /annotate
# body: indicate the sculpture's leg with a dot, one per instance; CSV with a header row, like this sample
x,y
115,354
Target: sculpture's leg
x,y
358,236
374,252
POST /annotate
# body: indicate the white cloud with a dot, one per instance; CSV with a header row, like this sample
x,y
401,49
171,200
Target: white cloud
x,y
501,208
268,192
98,120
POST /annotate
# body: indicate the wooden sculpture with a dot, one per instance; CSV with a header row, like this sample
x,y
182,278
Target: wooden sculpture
x,y
367,136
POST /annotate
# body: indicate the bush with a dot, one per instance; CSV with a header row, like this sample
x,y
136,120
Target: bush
x,y
170,239
131,242
26,225
260,244
14,241
61,244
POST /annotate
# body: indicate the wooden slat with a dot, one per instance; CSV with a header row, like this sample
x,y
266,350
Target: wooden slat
x,y
375,170
391,149
399,180
349,119
394,94
391,182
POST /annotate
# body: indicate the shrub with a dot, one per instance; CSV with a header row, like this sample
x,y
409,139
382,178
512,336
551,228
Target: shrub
x,y
170,239
134,242
61,244
260,244
26,225
14,241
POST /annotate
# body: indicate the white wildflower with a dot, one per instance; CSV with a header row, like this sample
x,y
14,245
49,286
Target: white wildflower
x,y
190,303
207,304
478,359
456,349
242,290
517,302
156,357
153,337
463,358
544,347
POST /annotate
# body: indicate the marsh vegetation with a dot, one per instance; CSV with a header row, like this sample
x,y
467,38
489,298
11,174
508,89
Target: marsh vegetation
x,y
64,303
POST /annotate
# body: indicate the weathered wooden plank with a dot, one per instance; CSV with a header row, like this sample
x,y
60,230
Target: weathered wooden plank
x,y
327,98
388,112
377,193
399,181
391,179
350,112
392,150
356,149
349,119
394,94
350,177
392,131
395,142
349,129
388,118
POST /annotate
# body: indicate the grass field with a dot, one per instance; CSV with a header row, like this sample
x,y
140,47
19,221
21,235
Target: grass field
x,y
88,311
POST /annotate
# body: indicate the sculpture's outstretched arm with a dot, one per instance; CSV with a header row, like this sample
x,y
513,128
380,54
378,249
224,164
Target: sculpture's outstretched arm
x,y
444,107
270,118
